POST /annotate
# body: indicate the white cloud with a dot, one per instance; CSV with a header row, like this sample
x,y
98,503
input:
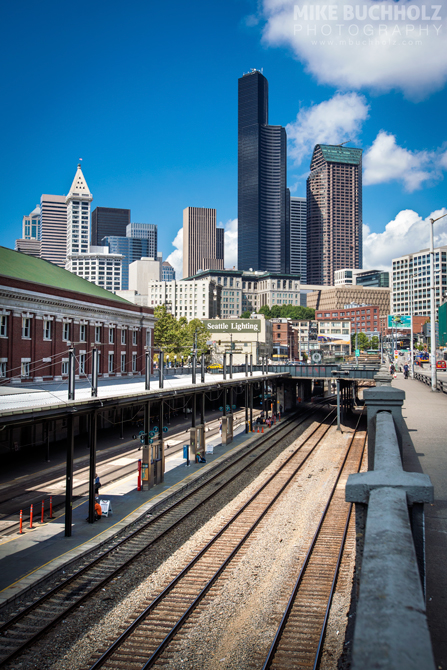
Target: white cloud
x,y
176,257
330,122
406,234
230,251
385,161
378,45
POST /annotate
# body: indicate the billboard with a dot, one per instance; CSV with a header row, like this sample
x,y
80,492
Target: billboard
x,y
398,321
219,326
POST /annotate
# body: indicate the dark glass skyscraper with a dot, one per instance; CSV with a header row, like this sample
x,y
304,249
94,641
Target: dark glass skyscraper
x,y
108,221
263,216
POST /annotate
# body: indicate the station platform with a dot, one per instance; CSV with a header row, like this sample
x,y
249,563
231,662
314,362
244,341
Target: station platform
x,y
425,450
28,558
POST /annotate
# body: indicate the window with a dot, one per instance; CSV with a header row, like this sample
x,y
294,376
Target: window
x,y
123,336
111,335
111,363
134,362
82,333
26,330
47,330
134,337
66,331
82,364
97,333
3,326
123,362
3,369
25,368
65,367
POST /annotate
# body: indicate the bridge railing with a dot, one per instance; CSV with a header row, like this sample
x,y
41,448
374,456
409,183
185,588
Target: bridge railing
x,y
391,628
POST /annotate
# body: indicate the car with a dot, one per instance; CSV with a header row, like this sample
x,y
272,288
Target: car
x,y
441,365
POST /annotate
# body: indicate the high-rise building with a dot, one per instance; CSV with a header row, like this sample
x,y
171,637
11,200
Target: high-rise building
x,y
298,238
263,214
220,245
78,216
167,271
145,231
334,212
411,282
109,221
199,241
53,229
131,248
31,225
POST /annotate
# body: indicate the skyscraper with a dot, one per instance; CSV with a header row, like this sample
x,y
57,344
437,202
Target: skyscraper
x,y
78,215
108,221
199,241
53,229
334,212
262,175
298,238
145,231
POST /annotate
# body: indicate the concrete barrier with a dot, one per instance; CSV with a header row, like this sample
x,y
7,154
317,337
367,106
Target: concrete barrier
x,y
391,630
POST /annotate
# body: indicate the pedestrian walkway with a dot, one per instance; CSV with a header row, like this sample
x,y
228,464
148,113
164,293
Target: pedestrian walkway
x,y
425,450
26,559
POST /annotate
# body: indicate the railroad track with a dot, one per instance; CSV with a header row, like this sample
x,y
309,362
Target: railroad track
x,y
145,640
47,608
298,642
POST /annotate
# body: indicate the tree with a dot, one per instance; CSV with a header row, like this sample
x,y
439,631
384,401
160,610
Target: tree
x,y
265,309
374,342
245,315
362,341
296,312
177,337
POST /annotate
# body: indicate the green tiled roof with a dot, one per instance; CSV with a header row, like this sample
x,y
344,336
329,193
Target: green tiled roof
x,y
21,266
336,154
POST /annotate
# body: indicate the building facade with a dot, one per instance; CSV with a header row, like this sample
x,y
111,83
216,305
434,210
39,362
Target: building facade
x,y
53,229
298,238
145,231
31,225
263,207
362,318
341,297
200,241
41,320
411,282
108,221
167,271
194,299
131,249
369,278
334,212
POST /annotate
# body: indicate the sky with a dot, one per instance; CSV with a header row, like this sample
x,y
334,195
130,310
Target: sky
x,y
146,94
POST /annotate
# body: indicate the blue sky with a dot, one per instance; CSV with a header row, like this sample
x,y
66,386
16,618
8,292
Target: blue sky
x,y
146,95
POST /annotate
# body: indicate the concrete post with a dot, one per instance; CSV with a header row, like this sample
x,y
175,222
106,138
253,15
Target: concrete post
x,y
382,399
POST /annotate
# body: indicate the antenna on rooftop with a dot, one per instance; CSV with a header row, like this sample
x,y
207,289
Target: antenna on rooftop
x,y
340,145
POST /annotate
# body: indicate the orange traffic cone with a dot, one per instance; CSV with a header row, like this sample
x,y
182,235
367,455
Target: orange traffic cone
x,y
258,429
262,429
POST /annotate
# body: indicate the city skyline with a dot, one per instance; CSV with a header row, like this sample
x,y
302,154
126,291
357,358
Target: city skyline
x,y
393,110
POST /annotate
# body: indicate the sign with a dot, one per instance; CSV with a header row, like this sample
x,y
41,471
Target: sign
x,y
398,321
316,357
232,325
357,352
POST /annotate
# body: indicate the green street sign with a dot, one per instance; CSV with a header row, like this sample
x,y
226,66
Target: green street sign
x,y
357,352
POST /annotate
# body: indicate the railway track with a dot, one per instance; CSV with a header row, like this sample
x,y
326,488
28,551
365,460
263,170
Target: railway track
x,y
142,644
48,607
299,640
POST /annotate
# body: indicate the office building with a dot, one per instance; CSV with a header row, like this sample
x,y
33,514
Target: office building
x,y
360,318
108,221
411,282
167,271
192,299
131,249
31,225
298,238
78,216
371,278
29,247
199,241
341,297
263,211
220,246
145,231
334,212
53,229
97,266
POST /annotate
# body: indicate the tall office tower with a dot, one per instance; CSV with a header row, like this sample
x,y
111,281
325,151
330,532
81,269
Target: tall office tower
x,y
145,231
78,215
334,212
298,238
131,248
31,225
199,241
108,221
53,229
220,245
262,176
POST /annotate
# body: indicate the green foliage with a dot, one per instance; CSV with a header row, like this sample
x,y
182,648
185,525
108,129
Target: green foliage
x,y
245,315
177,337
363,342
374,344
295,312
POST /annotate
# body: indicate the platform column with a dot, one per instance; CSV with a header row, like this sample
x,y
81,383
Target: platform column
x,y
251,365
92,433
160,369
247,425
202,371
224,370
251,406
69,477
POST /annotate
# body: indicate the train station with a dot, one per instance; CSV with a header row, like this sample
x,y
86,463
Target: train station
x,y
274,472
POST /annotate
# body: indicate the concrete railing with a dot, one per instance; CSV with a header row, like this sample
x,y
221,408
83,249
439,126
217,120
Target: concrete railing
x,y
441,384
391,630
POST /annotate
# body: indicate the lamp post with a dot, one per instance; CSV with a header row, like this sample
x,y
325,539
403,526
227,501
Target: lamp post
x,y
432,307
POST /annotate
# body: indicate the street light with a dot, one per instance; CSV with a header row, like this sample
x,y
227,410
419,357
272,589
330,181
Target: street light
x,y
432,307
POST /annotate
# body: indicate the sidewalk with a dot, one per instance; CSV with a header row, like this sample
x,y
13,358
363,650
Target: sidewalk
x,y
425,450
28,558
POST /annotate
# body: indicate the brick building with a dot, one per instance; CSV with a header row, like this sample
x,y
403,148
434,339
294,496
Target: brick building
x,y
45,310
363,318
